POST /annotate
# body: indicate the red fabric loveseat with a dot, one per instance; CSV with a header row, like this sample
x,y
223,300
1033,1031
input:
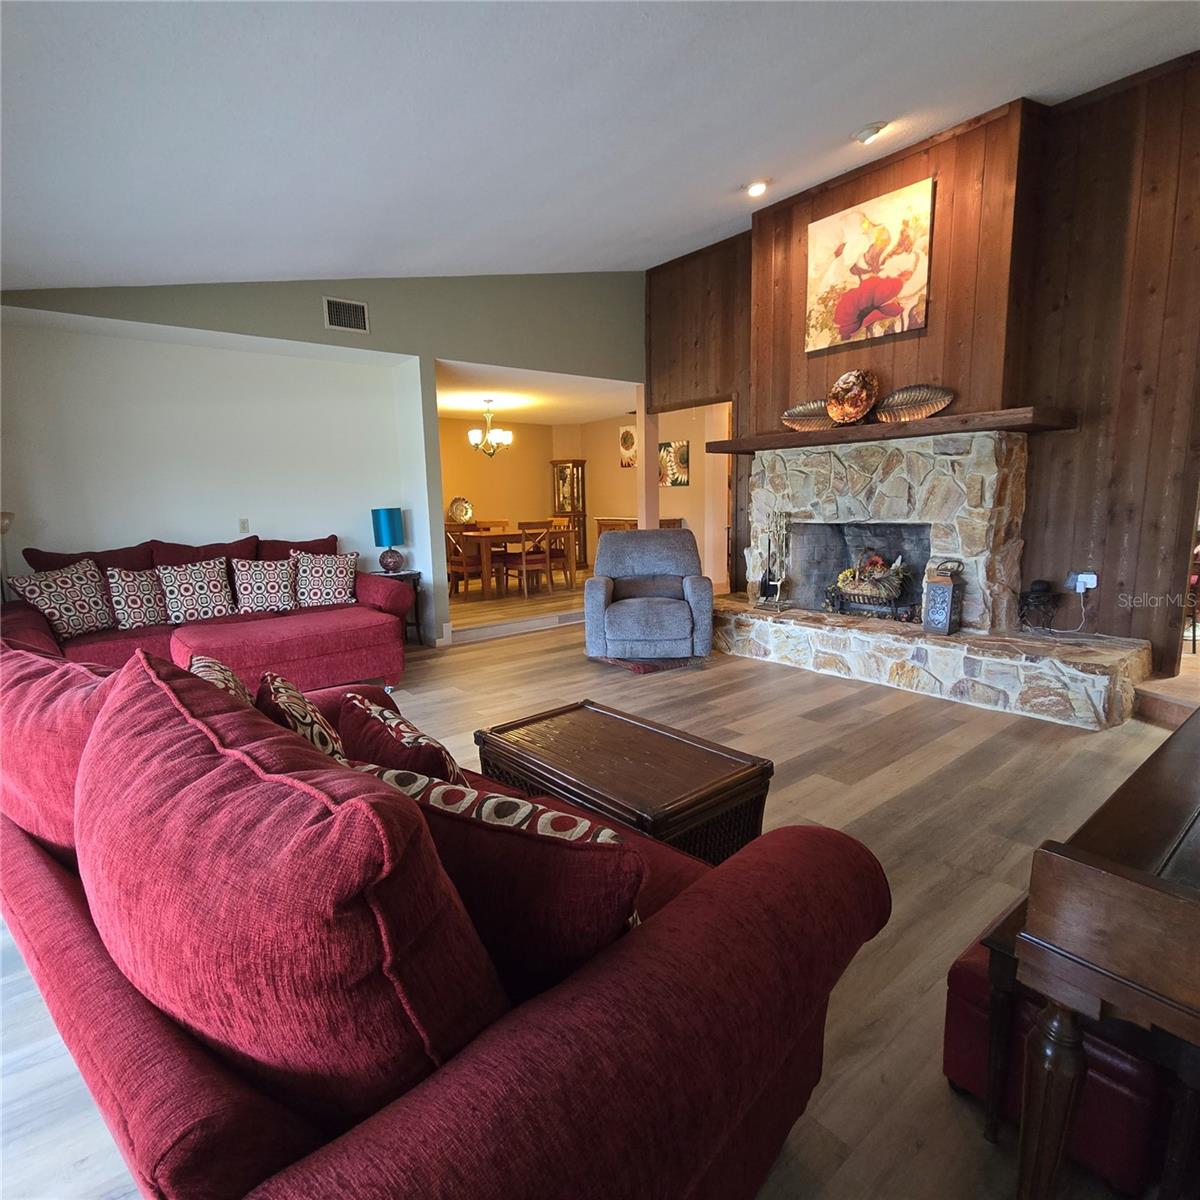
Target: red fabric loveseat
x,y
313,647
669,1067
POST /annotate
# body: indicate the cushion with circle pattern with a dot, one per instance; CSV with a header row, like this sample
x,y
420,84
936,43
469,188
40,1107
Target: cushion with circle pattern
x,y
288,706
196,591
380,735
137,598
71,598
546,890
219,675
264,586
325,578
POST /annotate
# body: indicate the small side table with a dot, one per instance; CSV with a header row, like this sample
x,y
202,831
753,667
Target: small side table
x,y
413,620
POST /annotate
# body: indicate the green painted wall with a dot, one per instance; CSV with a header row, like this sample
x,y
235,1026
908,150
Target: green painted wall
x,y
579,324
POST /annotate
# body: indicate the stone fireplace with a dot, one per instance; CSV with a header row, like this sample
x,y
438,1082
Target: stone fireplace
x,y
967,489
950,496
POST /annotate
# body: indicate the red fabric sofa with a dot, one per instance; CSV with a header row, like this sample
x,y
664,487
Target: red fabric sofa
x,y
672,1065
312,647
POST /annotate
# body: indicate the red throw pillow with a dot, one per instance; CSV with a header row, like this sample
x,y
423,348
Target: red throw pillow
x,y
127,558
291,913
179,554
270,549
373,734
547,891
47,707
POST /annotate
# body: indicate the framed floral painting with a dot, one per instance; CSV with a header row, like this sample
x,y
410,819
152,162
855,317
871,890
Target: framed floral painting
x,y
628,444
673,464
868,269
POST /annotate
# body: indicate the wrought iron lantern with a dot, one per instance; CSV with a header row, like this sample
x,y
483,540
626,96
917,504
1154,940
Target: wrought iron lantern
x,y
944,597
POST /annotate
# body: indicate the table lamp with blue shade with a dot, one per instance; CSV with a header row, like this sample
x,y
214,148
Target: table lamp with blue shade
x,y
388,524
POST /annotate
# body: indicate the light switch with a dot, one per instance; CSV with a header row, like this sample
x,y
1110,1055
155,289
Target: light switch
x,y
243,524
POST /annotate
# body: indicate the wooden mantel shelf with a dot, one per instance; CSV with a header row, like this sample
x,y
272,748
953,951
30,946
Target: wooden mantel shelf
x,y
1011,420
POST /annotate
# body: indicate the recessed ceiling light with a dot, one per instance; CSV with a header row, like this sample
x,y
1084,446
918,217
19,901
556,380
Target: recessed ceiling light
x,y
868,133
757,188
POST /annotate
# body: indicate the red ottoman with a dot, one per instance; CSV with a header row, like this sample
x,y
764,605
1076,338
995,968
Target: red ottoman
x,y
312,648
1123,1109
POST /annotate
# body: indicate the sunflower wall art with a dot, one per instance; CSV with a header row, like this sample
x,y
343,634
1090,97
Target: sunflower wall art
x,y
868,269
628,444
673,464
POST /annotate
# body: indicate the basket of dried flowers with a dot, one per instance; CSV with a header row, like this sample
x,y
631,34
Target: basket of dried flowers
x,y
872,580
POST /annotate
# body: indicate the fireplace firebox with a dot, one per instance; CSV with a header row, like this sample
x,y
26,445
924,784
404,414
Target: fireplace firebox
x,y
818,553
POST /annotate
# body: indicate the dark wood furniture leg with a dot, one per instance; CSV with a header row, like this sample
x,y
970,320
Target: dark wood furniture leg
x,y
1181,1169
999,1032
1054,1069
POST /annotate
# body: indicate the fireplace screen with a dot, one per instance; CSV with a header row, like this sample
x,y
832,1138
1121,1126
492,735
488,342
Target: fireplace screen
x,y
818,553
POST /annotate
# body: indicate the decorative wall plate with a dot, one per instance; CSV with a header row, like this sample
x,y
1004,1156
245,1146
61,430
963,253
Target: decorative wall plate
x,y
807,417
852,397
913,403
460,511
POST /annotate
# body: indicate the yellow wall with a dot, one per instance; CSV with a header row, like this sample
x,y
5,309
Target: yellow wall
x,y
612,489
515,485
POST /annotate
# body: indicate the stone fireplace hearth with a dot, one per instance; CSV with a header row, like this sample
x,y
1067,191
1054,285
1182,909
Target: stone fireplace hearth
x,y
968,492
969,488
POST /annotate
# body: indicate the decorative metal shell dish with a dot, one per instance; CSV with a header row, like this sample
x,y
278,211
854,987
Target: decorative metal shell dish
x,y
852,397
913,403
805,418
460,511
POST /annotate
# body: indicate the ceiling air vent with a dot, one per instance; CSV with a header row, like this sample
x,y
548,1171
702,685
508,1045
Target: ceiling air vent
x,y
346,314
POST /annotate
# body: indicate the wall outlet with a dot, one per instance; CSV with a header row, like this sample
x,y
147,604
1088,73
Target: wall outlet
x,y
243,524
1081,581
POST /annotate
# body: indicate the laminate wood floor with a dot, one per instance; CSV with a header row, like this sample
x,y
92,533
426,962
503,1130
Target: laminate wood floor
x,y
469,610
951,799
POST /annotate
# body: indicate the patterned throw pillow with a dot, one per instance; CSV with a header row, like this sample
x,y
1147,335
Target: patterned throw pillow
x,y
492,808
381,735
264,586
196,591
70,598
214,671
288,706
325,578
137,598
545,890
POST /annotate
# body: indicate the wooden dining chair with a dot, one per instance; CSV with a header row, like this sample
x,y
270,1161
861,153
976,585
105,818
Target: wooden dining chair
x,y
533,557
463,561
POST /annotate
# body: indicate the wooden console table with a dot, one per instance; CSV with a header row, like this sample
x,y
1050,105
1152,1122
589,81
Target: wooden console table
x,y
621,524
1113,931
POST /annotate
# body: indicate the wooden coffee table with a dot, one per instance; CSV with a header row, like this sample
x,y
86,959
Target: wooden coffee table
x,y
702,798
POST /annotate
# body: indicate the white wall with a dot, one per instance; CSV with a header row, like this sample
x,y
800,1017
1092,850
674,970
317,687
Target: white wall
x,y
114,436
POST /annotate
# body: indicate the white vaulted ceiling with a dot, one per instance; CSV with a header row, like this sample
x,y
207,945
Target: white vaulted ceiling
x,y
196,142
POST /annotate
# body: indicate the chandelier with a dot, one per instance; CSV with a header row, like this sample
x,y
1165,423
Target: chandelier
x,y
487,439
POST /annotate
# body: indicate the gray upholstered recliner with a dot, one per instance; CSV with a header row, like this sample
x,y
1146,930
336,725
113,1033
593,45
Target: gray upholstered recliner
x,y
647,598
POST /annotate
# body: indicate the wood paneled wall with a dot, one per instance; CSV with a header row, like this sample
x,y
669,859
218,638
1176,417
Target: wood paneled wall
x,y
1113,332
698,327
698,352
1065,271
971,285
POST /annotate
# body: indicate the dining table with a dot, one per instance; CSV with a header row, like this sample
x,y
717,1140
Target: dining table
x,y
488,539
